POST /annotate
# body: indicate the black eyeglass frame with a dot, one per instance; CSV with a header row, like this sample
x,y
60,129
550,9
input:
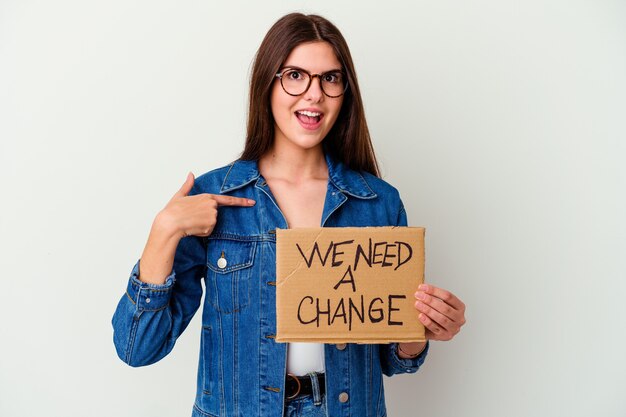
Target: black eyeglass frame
x,y
311,76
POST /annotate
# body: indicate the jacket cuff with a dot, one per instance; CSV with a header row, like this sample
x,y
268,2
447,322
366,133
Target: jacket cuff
x,y
408,365
149,297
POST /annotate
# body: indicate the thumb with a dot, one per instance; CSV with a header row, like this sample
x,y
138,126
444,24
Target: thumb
x,y
188,184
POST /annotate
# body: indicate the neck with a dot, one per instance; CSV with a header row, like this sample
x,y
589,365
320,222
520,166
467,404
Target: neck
x,y
294,164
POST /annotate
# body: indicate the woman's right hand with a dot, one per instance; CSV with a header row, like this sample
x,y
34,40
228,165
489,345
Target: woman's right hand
x,y
184,215
195,215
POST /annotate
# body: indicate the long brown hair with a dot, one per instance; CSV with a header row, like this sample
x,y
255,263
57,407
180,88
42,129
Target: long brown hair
x,y
348,140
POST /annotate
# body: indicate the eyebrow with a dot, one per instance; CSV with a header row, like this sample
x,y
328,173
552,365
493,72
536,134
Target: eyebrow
x,y
284,67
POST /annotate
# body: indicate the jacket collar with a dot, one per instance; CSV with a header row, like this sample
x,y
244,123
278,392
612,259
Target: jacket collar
x,y
242,173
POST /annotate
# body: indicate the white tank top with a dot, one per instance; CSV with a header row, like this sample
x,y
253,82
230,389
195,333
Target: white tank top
x,y
305,357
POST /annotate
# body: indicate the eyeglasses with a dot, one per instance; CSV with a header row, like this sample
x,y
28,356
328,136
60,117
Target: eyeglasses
x,y
296,81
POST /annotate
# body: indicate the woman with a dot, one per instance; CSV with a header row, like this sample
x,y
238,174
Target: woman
x,y
308,161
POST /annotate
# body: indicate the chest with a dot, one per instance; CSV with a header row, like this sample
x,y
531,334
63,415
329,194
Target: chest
x,y
302,204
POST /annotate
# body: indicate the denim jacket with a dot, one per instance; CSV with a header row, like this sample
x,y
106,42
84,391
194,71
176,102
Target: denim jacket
x,y
241,368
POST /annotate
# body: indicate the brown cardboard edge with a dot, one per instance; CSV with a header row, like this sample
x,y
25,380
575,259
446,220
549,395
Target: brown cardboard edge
x,y
360,340
344,340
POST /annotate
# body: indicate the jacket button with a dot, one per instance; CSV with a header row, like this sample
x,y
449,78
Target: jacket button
x,y
343,397
340,346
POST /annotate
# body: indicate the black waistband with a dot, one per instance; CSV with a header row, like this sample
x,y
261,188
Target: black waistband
x,y
299,386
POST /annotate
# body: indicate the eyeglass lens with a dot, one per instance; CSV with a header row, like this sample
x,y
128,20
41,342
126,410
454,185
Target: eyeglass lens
x,y
296,82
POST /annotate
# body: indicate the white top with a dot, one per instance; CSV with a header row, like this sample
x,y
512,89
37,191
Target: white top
x,y
305,357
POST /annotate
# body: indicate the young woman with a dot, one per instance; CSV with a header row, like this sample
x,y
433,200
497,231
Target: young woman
x,y
308,161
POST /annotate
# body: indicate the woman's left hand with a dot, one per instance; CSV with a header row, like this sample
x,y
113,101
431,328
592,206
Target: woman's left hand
x,y
442,313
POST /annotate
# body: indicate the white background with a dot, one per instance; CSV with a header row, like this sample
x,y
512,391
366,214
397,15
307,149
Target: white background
x,y
501,122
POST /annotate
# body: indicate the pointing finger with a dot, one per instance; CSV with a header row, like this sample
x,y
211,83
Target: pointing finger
x,y
226,200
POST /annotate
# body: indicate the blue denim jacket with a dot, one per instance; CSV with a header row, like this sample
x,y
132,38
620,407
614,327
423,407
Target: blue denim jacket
x,y
242,369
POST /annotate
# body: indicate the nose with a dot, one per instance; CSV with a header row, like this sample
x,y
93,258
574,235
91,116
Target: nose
x,y
314,93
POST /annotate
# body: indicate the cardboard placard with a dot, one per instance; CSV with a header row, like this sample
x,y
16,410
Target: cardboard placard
x,y
349,284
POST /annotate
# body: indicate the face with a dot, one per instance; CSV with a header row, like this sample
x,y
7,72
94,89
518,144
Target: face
x,y
304,121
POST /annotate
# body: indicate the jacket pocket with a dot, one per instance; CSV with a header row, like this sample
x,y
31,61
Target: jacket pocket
x,y
229,262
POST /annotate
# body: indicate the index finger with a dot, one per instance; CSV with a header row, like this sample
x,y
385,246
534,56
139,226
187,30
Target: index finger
x,y
226,200
443,295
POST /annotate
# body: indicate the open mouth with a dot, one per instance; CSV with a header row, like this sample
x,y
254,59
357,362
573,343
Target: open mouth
x,y
309,119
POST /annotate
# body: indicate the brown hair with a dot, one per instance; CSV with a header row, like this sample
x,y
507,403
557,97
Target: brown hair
x,y
348,140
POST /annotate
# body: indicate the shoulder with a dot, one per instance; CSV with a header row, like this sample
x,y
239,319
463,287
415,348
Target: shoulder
x,y
211,182
383,190
360,184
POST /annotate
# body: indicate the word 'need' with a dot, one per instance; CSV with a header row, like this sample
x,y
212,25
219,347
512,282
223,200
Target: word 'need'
x,y
385,254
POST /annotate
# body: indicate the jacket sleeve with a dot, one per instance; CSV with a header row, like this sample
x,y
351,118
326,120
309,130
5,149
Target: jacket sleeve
x,y
149,318
391,363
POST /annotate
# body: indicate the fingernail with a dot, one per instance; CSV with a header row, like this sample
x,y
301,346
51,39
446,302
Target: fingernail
x,y
251,202
420,295
423,287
